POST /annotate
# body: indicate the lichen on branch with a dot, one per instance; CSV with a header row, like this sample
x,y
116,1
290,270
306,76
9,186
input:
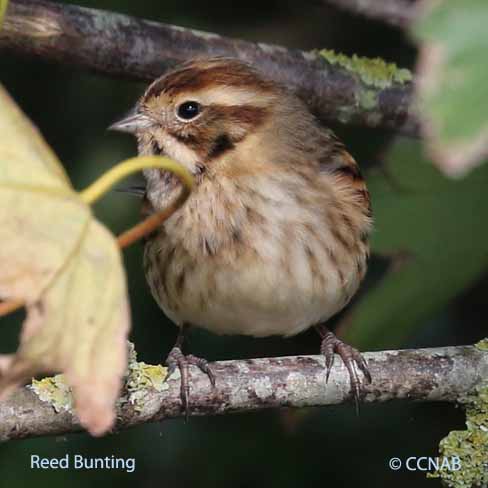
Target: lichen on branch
x,y
470,445
373,72
440,374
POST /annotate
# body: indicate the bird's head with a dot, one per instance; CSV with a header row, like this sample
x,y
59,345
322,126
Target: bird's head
x,y
201,112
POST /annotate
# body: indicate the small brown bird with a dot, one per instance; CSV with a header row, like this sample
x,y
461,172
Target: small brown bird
x,y
274,237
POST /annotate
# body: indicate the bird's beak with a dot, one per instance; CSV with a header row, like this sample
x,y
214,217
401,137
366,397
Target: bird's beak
x,y
132,123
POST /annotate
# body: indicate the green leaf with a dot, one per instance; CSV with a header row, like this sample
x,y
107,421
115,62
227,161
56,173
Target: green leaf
x,y
453,81
439,227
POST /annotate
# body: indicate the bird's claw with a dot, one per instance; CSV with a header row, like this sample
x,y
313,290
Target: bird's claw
x,y
351,358
176,359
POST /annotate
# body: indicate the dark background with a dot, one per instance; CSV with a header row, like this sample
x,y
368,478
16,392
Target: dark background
x,y
309,447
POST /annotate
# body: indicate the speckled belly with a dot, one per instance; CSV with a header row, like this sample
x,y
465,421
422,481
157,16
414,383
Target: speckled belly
x,y
249,295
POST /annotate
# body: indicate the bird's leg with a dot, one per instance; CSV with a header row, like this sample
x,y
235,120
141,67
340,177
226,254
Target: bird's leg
x,y
176,359
350,356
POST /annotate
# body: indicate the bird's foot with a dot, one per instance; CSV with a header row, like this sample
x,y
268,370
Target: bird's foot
x,y
350,356
176,359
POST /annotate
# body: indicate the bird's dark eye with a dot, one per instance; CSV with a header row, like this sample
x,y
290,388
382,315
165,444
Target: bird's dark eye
x,y
188,110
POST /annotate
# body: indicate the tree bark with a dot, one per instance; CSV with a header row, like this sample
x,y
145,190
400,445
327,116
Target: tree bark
x,y
399,13
440,374
127,47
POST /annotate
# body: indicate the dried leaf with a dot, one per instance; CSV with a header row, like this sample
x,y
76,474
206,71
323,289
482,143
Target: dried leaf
x,y
40,213
453,76
67,268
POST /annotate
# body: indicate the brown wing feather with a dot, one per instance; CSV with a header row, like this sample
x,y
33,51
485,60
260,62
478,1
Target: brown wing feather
x,y
336,160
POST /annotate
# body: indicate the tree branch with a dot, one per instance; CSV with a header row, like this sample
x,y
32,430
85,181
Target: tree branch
x,y
127,47
399,13
441,374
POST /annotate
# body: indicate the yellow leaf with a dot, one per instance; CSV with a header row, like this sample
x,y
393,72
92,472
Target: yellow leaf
x,y
67,268
38,208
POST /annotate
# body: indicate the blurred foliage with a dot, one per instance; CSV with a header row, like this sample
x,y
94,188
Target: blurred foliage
x,y
433,232
454,77
283,449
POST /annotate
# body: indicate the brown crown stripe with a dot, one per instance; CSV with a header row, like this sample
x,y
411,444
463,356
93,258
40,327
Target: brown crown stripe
x,y
197,76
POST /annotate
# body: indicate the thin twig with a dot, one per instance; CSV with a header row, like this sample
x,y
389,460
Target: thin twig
x,y
441,374
128,47
148,225
9,307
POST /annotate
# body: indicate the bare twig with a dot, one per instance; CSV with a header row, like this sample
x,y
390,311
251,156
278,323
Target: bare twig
x,y
400,13
441,374
128,47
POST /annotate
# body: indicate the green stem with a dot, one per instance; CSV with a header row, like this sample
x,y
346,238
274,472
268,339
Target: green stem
x,y
101,186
